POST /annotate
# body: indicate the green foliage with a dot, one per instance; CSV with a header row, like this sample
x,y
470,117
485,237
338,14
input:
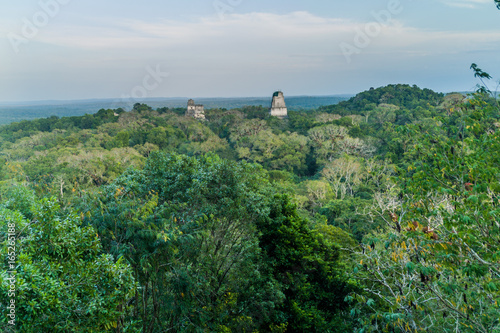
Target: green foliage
x,y
63,282
345,214
254,142
247,222
305,264
18,198
214,221
331,141
438,266
401,95
196,214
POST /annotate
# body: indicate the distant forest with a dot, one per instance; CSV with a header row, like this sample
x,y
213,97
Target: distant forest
x,y
14,112
379,213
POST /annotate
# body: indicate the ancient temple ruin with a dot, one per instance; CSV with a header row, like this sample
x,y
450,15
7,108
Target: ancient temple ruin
x,y
278,107
196,111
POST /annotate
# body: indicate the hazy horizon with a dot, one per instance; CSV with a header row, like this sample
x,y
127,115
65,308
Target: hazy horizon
x,y
18,111
269,96
7,103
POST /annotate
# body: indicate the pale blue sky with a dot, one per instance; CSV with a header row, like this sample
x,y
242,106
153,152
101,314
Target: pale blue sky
x,y
108,48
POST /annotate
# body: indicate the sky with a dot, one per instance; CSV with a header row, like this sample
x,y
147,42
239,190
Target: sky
x,y
75,49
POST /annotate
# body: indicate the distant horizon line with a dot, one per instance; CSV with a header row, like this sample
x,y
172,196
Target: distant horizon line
x,y
63,101
48,102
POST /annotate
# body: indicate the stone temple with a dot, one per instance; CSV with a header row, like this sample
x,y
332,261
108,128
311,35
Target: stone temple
x,y
196,111
278,107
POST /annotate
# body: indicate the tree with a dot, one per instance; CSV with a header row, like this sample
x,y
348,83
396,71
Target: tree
x,y
438,263
308,269
254,142
64,282
343,174
187,226
331,141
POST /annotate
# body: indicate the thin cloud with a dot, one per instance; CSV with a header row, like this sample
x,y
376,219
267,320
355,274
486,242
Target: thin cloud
x,y
244,52
466,3
124,33
256,33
